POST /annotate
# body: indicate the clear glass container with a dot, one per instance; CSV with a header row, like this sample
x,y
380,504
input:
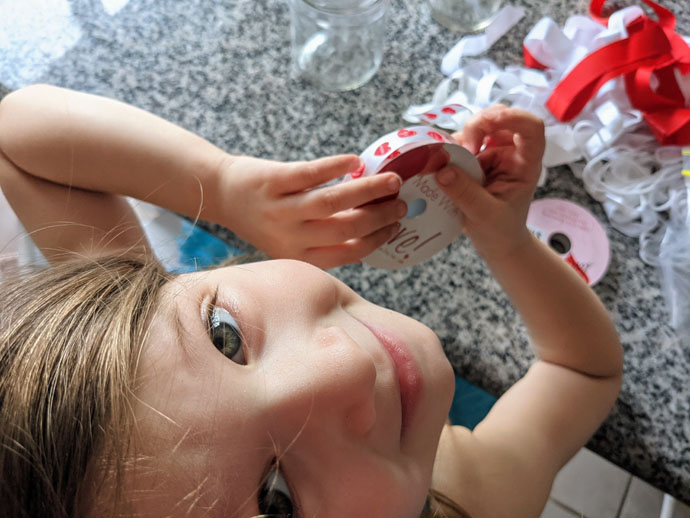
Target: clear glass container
x,y
338,45
464,15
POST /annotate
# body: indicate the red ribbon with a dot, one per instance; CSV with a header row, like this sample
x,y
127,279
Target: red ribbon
x,y
572,262
666,17
652,48
530,60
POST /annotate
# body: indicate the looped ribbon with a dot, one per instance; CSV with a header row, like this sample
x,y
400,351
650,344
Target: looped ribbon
x,y
619,159
652,58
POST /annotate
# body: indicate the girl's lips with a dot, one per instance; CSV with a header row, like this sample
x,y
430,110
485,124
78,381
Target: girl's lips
x,y
407,370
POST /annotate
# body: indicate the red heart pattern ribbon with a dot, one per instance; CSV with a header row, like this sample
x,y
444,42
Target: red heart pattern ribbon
x,y
433,221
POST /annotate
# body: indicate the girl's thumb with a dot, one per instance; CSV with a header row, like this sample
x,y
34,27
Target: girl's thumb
x,y
469,196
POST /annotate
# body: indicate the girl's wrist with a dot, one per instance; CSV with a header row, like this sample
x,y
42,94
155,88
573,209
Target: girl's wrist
x,y
216,184
514,250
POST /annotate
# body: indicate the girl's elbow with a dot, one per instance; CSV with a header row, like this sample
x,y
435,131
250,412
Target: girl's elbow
x,y
18,118
618,359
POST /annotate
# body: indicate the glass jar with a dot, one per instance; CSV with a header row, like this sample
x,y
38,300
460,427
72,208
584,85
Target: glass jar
x,y
337,45
464,15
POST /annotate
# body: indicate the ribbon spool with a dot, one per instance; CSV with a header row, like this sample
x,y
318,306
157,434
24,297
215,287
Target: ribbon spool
x,y
573,233
432,221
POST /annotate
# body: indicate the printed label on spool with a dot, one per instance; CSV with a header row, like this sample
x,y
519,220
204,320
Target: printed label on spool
x,y
432,221
573,233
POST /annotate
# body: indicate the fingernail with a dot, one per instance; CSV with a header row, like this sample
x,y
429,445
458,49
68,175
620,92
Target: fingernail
x,y
445,176
394,183
395,227
401,209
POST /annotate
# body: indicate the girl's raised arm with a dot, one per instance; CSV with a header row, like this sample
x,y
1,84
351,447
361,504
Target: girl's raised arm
x,y
512,456
59,148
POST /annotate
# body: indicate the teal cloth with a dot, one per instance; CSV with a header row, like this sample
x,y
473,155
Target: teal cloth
x,y
470,404
199,249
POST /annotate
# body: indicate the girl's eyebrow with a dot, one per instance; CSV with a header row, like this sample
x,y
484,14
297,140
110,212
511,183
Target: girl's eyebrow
x,y
178,326
181,331
181,335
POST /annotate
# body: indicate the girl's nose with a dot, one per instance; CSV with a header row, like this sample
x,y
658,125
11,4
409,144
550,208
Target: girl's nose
x,y
352,383
332,385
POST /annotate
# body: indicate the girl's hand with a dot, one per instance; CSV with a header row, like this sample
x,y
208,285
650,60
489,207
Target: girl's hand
x,y
509,144
55,141
281,209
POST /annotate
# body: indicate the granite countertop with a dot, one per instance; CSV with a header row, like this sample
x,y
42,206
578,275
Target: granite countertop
x,y
222,69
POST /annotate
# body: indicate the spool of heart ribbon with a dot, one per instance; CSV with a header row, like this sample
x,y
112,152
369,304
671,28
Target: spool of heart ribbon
x,y
432,221
573,233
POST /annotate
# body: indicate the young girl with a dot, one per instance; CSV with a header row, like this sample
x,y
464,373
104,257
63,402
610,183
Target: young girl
x,y
267,389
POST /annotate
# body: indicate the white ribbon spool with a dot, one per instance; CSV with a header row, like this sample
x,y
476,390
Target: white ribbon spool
x,y
433,221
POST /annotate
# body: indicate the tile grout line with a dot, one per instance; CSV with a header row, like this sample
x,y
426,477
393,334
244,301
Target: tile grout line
x,y
572,511
625,496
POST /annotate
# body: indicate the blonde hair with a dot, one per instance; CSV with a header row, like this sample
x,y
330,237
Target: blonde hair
x,y
70,337
440,506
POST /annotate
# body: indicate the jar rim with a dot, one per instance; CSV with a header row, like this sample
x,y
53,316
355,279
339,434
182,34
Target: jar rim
x,y
357,7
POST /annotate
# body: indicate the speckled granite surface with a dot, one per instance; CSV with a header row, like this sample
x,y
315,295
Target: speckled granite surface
x,y
222,69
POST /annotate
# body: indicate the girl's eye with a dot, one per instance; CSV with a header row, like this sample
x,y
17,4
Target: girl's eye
x,y
275,499
225,334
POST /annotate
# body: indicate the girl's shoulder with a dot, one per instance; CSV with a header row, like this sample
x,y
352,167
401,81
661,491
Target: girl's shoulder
x,y
481,480
453,468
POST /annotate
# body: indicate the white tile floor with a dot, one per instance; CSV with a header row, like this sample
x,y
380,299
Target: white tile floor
x,y
591,487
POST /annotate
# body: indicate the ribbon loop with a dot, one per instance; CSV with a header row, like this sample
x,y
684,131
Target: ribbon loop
x,y
652,58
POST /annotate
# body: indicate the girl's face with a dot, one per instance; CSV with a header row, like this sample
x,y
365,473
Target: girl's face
x,y
348,396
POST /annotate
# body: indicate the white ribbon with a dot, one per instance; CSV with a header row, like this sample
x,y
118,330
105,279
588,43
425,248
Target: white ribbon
x,y
625,168
473,45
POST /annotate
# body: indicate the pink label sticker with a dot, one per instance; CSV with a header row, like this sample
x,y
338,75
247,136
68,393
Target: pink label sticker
x,y
573,233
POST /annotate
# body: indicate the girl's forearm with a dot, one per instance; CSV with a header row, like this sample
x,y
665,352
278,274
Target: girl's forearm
x,y
67,137
568,323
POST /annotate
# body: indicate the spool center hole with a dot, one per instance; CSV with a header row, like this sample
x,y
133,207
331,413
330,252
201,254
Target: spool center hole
x,y
415,208
560,243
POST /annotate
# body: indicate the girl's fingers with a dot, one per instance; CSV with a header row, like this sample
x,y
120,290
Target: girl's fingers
x,y
322,203
500,138
504,162
438,159
499,119
350,251
469,196
301,176
355,223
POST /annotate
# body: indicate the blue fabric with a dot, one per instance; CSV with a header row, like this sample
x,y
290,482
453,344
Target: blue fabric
x,y
199,249
470,404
